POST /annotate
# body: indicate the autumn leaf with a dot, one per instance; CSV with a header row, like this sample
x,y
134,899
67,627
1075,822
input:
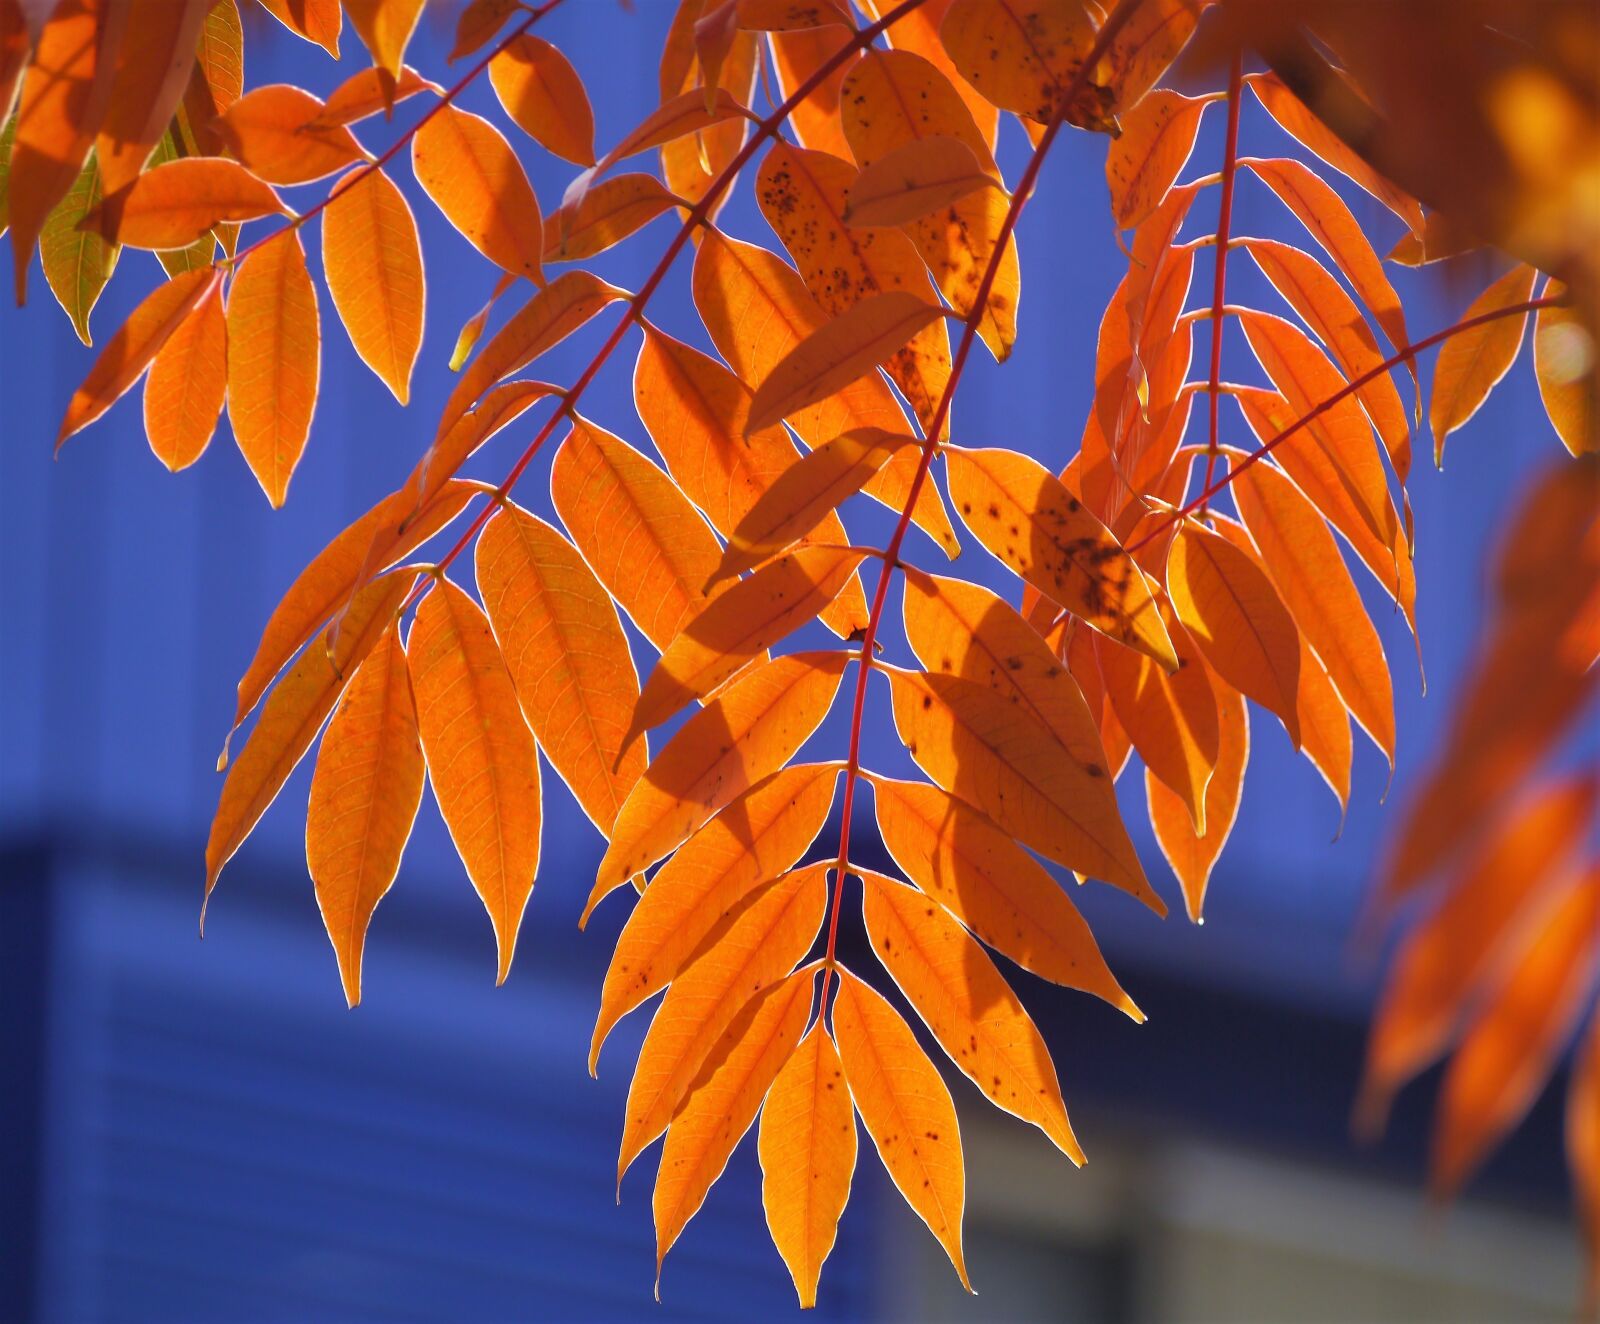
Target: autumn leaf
x,y
77,263
567,656
1145,161
747,732
807,1145
1022,55
154,62
274,360
187,384
542,92
906,1109
915,179
318,21
1564,381
469,170
364,798
1471,364
385,28
362,94
605,215
175,204
279,134
373,265
481,757
480,20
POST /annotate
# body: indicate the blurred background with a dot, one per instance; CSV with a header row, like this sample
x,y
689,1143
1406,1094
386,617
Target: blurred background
x,y
201,1130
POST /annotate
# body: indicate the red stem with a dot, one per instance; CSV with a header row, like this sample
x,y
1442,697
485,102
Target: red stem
x,y
393,150
930,446
1230,163
765,128
1348,389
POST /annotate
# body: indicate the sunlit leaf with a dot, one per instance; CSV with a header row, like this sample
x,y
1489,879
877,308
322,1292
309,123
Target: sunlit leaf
x,y
1145,161
385,28
605,215
174,204
542,92
362,94
1564,362
1472,363
318,21
187,384
278,133
77,262
154,62
921,176
1023,55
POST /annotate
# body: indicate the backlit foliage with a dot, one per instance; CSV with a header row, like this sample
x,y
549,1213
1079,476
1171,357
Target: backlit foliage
x,y
1169,579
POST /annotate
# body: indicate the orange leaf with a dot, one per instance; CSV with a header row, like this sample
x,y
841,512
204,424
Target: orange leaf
x,y
1304,564
279,134
274,357
848,347
154,61
188,381
567,656
723,1102
604,216
758,310
646,543
479,21
1332,315
676,118
737,625
456,445
1565,370
918,33
1173,721
542,323
1471,363
696,412
1191,855
748,731
919,177
373,264
796,57
994,753
968,1005
128,353
65,93
1324,720
364,798
1027,518
294,714
468,168
697,893
1145,48
1300,123
362,94
892,99
1507,1053
758,950
1236,618
906,1109
385,28
318,21
1143,164
175,204
389,531
481,757
994,887
807,1145
804,196
1446,959
542,92
805,496
1324,214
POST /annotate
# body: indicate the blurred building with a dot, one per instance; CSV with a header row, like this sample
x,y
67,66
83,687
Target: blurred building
x,y
202,1131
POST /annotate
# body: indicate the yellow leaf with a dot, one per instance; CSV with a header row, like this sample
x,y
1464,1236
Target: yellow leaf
x,y
472,329
994,887
294,714
542,323
1471,363
187,384
567,656
128,353
738,624
807,1145
993,752
1027,518
968,1005
279,134
373,265
364,798
175,204
757,950
1193,855
1303,561
77,263
645,542
1236,618
542,92
748,731
371,544
481,756
906,1110
699,891
805,495
850,346
274,357
722,1103
469,170
917,178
